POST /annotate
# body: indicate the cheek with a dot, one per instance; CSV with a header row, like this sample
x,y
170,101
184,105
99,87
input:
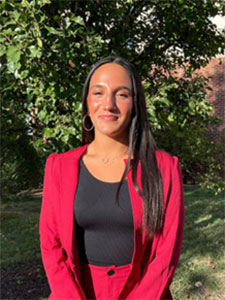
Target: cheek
x,y
127,107
93,104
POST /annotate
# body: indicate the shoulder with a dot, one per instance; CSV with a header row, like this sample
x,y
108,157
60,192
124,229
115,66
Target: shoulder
x,y
54,159
163,157
172,178
166,162
74,153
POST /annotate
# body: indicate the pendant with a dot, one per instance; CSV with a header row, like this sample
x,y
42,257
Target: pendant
x,y
106,161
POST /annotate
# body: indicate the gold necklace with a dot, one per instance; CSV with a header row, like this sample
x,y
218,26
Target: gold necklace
x,y
109,160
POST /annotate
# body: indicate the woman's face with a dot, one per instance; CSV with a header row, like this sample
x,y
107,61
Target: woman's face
x,y
110,100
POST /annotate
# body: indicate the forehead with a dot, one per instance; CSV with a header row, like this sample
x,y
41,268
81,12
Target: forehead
x,y
111,74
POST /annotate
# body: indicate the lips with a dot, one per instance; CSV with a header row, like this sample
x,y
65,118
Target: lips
x,y
108,117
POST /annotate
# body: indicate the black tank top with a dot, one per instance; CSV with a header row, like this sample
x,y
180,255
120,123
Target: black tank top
x,y
104,227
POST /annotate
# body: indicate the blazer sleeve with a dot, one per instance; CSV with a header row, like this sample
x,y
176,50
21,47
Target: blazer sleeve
x,y
59,274
155,282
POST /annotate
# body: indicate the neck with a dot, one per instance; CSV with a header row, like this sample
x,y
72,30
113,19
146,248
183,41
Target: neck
x,y
108,147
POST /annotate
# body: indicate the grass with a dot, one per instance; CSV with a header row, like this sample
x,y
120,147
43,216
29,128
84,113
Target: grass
x,y
19,229
200,274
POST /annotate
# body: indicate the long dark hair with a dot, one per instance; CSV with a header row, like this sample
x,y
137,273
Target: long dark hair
x,y
141,144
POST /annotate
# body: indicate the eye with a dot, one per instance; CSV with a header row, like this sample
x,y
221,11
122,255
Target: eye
x,y
97,93
122,95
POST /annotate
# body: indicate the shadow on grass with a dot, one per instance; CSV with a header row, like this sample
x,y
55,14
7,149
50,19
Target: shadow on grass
x,y
203,232
24,281
22,272
200,265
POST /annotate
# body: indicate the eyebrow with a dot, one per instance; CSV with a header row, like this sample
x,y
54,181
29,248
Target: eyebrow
x,y
124,87
119,87
96,85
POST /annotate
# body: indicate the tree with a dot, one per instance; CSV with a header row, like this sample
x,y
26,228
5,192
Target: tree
x,y
48,48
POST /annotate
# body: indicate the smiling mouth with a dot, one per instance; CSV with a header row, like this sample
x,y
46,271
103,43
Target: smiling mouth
x,y
108,117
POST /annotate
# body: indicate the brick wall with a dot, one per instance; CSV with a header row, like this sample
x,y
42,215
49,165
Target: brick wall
x,y
215,72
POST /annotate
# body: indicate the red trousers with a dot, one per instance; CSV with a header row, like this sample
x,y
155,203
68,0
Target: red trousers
x,y
103,282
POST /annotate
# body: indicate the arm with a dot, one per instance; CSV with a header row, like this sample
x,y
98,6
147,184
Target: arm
x,y
60,277
155,282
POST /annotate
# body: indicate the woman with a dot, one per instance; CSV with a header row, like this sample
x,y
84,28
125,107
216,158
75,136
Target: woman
x,y
112,214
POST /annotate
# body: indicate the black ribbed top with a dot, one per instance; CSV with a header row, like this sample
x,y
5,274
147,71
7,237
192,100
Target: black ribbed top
x,y
105,233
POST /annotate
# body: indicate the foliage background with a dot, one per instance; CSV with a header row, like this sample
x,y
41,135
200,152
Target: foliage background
x,y
47,49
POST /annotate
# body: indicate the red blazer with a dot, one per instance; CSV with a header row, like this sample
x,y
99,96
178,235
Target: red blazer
x,y
153,263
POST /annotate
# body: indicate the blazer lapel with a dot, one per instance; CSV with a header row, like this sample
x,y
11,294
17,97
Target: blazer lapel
x,y
137,209
69,178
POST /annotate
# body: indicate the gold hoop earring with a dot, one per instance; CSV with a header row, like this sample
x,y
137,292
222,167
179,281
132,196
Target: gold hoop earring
x,y
83,123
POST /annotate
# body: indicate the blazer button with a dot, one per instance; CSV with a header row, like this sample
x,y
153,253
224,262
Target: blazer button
x,y
111,272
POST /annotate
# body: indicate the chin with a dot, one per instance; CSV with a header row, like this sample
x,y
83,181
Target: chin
x,y
109,133
114,133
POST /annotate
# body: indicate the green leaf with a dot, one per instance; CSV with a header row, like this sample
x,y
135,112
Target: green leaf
x,y
48,132
13,54
170,118
16,14
11,22
2,39
71,130
53,30
2,50
3,4
42,114
65,138
39,41
78,20
24,74
12,66
35,52
68,23
25,3
191,104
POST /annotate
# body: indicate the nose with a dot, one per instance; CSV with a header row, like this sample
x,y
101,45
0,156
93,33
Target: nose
x,y
108,102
